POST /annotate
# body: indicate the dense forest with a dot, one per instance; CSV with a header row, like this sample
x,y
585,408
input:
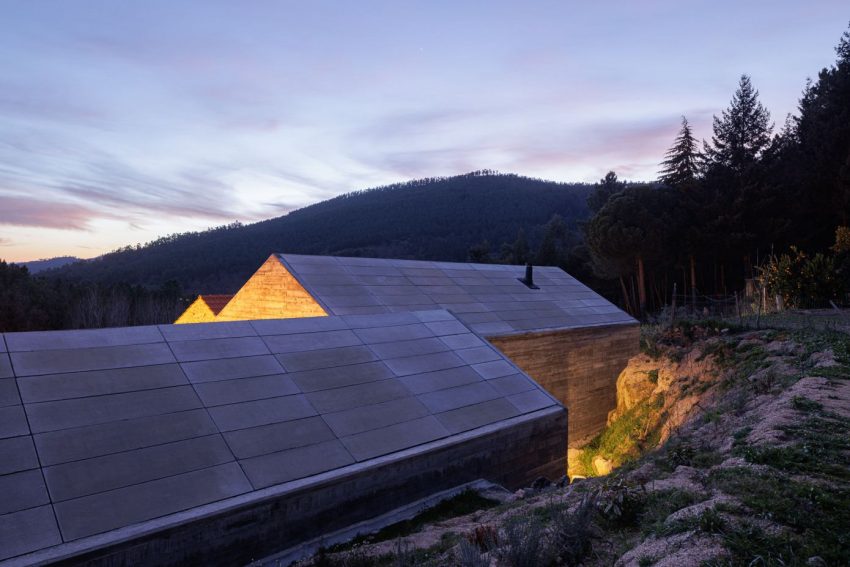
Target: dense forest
x,y
748,204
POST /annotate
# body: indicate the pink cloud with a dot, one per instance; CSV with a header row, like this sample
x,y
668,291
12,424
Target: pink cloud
x,y
26,211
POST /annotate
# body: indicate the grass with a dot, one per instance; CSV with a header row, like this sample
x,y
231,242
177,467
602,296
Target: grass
x,y
464,503
628,437
817,516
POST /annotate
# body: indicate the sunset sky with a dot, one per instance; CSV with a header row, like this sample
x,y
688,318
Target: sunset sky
x,y
122,121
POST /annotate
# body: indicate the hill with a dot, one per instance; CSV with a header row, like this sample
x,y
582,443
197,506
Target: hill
x,y
36,266
427,219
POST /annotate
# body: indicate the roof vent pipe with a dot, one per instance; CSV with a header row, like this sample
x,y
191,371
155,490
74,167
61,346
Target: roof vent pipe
x,y
528,280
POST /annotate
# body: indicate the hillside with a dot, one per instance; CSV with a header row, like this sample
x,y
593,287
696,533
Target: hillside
x,y
36,266
730,446
428,219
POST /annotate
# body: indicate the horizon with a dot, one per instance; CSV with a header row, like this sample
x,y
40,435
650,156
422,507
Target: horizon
x,y
124,123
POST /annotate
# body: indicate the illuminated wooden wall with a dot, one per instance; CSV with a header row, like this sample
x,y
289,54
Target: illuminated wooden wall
x,y
197,312
271,293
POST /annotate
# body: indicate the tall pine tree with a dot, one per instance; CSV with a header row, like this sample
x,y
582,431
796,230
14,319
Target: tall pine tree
x,y
741,133
679,167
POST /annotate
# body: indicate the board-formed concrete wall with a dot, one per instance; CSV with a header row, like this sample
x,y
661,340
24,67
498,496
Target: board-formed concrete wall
x,y
513,454
577,366
271,293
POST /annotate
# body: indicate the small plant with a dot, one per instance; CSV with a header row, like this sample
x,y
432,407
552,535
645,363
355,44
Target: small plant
x,y
523,544
468,554
800,403
572,531
621,502
711,522
484,537
645,561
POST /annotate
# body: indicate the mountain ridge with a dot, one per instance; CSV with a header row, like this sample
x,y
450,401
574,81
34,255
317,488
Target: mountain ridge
x,y
427,219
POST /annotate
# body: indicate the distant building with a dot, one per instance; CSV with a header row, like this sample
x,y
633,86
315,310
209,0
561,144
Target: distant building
x,y
567,337
204,309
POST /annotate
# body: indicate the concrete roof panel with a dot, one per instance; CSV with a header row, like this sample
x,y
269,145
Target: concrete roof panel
x,y
105,511
200,331
462,288
18,454
377,442
326,358
51,387
213,349
96,440
22,490
5,366
13,422
231,368
34,363
366,418
359,395
90,476
79,412
453,398
9,393
276,437
440,379
261,412
470,417
281,344
85,338
27,530
225,392
276,468
126,436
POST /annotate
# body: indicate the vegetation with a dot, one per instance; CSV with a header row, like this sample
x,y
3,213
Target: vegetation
x,y
32,303
724,209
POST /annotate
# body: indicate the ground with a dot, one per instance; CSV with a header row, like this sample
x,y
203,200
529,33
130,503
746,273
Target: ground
x,y
727,447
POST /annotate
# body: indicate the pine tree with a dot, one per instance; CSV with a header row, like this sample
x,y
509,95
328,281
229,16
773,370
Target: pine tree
x,y
680,165
742,132
607,187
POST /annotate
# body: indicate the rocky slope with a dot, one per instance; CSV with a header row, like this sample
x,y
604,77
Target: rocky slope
x,y
726,448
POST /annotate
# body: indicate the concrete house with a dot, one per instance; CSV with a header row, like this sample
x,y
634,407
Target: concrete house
x,y
220,443
204,309
571,340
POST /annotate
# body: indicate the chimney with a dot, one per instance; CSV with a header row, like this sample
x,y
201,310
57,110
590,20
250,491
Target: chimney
x,y
528,280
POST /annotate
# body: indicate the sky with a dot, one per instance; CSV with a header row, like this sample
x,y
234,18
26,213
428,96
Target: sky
x,y
124,121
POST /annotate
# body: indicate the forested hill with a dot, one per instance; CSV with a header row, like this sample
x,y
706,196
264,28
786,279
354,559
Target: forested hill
x,y
428,219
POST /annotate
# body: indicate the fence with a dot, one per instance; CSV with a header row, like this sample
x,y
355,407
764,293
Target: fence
x,y
756,309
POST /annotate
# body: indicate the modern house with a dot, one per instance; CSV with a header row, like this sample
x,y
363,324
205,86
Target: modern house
x,y
219,443
328,391
571,340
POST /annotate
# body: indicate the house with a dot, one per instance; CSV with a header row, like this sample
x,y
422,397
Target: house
x,y
571,340
220,443
204,309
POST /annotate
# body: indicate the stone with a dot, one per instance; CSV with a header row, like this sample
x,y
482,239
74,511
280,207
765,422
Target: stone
x,y
602,466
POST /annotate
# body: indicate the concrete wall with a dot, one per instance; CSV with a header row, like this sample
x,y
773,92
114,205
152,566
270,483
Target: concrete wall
x,y
197,312
512,454
579,367
271,293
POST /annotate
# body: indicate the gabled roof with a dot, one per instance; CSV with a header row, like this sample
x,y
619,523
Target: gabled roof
x,y
216,302
102,430
488,298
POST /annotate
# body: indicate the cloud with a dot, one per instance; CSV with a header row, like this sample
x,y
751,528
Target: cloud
x,y
26,211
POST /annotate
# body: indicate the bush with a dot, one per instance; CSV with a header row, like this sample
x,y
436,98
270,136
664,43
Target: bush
x,y
802,280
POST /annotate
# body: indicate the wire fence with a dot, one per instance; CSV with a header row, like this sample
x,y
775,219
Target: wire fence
x,y
756,309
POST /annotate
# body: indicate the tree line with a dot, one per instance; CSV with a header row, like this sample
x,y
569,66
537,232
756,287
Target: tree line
x,y
30,303
748,203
